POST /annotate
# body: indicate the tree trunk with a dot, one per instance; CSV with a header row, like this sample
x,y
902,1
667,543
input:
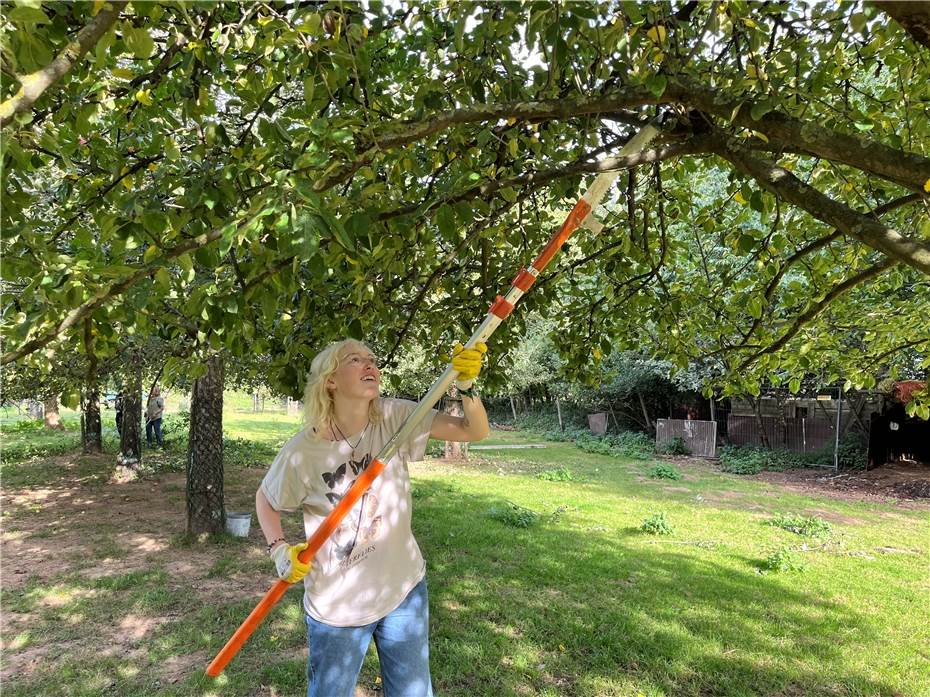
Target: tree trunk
x,y
757,410
642,403
91,432
454,450
205,509
130,441
52,417
36,409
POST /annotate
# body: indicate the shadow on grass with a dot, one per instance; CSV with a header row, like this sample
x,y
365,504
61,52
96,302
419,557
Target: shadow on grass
x,y
542,610
553,611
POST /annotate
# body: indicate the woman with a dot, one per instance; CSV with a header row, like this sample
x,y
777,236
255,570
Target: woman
x,y
368,580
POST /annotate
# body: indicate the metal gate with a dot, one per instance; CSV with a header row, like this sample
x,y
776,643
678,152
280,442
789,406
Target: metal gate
x,y
699,436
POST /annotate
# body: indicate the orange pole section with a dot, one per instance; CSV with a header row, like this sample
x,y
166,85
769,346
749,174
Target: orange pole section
x,y
327,527
578,213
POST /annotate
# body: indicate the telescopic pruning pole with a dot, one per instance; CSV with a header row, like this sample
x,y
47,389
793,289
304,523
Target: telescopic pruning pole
x,y
580,216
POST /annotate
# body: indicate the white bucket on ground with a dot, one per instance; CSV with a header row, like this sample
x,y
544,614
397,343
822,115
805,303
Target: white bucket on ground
x,y
238,524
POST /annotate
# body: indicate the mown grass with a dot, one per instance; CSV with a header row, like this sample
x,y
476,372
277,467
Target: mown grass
x,y
576,601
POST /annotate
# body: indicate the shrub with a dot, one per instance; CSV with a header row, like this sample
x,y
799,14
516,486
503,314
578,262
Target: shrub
x,y
663,470
656,524
738,459
39,445
853,451
176,427
782,559
634,444
802,525
673,446
560,474
513,515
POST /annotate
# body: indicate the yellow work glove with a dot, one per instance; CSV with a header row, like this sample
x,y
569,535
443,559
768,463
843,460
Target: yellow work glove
x,y
290,568
468,363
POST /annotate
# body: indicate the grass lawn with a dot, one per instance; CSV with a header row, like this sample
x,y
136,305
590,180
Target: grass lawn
x,y
541,580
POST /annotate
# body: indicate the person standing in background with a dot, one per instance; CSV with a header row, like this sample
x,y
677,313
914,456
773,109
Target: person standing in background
x,y
153,414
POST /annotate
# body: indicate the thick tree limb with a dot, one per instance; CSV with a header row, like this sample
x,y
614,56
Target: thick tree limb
x,y
907,169
540,178
35,84
523,111
824,241
914,17
818,307
786,186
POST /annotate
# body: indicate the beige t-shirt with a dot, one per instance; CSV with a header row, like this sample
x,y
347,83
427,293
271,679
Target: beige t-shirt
x,y
369,564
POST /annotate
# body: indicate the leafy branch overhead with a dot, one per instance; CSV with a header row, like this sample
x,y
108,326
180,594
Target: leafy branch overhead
x,y
263,177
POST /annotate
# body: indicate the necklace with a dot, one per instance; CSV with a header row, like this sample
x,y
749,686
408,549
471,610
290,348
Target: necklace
x,y
345,440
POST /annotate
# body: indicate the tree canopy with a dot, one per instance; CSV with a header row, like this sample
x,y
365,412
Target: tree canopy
x,y
260,178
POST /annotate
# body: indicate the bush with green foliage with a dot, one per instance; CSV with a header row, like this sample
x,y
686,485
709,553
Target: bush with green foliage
x,y
28,438
560,474
513,515
656,524
781,560
634,444
752,459
673,446
743,459
806,526
663,470
176,427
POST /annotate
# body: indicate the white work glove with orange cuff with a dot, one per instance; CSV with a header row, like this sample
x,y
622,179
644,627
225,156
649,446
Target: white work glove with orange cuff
x,y
468,364
290,568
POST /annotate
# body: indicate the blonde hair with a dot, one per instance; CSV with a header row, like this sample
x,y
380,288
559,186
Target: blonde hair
x,y
318,400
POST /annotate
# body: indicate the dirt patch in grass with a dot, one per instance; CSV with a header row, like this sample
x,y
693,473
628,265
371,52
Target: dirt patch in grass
x,y
101,529
906,484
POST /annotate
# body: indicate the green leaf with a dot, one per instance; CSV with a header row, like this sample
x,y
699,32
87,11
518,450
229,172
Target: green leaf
x,y
28,15
746,243
163,278
445,220
760,109
508,194
71,399
309,87
794,385
138,41
358,225
632,11
656,84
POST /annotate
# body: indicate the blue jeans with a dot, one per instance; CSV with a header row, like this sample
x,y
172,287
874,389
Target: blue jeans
x,y
153,426
402,640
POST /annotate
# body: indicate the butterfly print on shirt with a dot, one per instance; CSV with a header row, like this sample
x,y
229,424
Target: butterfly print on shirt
x,y
337,479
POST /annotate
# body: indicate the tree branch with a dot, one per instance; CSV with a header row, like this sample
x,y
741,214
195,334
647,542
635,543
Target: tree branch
x,y
867,230
907,169
35,84
818,307
693,146
914,17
